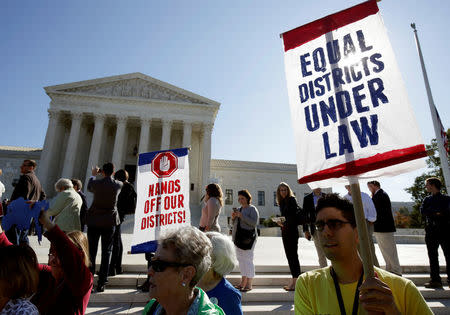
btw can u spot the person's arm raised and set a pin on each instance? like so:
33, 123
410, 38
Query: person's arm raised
76, 273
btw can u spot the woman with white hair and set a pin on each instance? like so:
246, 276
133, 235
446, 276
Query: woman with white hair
183, 256
219, 290
66, 206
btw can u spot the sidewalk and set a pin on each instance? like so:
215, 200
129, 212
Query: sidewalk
269, 251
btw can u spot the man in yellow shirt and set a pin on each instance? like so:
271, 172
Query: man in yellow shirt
342, 288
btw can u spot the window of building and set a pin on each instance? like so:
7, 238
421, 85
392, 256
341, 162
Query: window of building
228, 196
261, 198
275, 203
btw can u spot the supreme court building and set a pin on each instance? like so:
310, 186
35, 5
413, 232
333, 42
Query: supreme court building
116, 118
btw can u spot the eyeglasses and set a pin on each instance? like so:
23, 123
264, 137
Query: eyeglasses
161, 265
333, 224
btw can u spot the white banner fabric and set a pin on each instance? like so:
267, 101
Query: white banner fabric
162, 197
349, 106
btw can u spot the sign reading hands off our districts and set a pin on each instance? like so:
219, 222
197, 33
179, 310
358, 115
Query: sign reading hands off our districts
349, 106
162, 197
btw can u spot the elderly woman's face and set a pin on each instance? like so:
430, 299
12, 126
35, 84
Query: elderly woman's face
165, 278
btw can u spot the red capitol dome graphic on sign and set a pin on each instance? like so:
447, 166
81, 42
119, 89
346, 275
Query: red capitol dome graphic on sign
164, 164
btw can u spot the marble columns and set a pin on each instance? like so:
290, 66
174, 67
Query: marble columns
72, 145
43, 170
145, 135
206, 145
95, 144
187, 132
165, 137
119, 142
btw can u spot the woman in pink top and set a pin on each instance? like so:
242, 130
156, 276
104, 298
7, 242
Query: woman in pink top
211, 210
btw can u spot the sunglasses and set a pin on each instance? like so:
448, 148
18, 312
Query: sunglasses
333, 224
161, 265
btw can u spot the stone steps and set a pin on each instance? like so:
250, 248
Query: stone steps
439, 307
278, 269
265, 279
258, 294
267, 296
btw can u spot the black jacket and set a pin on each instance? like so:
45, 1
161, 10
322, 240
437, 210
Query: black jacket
126, 202
29, 188
310, 210
436, 209
385, 220
103, 211
288, 209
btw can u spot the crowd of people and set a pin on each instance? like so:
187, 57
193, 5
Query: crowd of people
187, 273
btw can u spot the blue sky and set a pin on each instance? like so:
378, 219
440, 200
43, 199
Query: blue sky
229, 51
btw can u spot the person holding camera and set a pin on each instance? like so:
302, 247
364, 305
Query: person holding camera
102, 218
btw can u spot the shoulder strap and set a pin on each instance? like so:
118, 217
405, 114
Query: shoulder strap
152, 308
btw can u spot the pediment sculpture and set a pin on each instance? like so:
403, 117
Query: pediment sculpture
133, 88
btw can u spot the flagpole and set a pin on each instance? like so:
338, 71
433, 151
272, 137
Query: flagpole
437, 131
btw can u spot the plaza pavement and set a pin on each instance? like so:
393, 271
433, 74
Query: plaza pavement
268, 251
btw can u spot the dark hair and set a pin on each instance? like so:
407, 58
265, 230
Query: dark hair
434, 181
375, 183
245, 193
215, 191
77, 182
30, 163
343, 205
108, 168
19, 274
121, 175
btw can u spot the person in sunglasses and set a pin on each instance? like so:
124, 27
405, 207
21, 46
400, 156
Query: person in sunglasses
183, 256
342, 286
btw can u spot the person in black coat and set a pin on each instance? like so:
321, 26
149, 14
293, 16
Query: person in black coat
77, 185
289, 230
102, 219
436, 211
309, 206
126, 204
384, 227
29, 188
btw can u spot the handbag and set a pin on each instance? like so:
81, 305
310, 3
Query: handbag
244, 238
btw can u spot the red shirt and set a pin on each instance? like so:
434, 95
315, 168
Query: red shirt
71, 295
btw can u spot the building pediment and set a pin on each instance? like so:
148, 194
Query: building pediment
134, 85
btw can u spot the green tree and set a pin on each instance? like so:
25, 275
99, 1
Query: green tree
417, 190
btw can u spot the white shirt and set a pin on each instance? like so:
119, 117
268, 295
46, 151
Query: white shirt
369, 208
2, 190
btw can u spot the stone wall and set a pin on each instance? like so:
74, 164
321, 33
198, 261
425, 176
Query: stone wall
255, 176
10, 160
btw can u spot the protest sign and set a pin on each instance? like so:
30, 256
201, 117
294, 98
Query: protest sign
162, 197
349, 107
